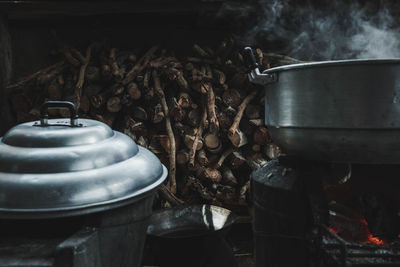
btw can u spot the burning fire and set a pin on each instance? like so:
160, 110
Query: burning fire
372, 239
369, 237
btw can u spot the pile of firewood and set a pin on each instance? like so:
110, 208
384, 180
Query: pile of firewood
197, 112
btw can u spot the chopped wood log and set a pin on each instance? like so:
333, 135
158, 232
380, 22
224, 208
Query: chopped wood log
201, 189
113, 63
256, 160
146, 78
106, 70
137, 128
155, 146
92, 74
261, 136
257, 122
114, 104
141, 141
85, 104
184, 100
183, 84
231, 98
223, 157
176, 111
158, 115
238, 80
139, 66
252, 112
69, 57
189, 141
259, 56
44, 78
272, 151
117, 89
202, 158
211, 140
237, 160
169, 196
98, 101
106, 118
133, 91
256, 148
225, 121
220, 76
243, 193
211, 174
92, 89
139, 113
228, 177
172, 152
193, 117
182, 157
238, 139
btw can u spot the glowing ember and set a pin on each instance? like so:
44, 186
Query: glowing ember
337, 231
369, 238
375, 240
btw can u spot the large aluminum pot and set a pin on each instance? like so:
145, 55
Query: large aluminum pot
337, 111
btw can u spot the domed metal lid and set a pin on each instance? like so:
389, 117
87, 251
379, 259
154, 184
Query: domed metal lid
64, 167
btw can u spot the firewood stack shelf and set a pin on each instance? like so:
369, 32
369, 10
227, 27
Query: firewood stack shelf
181, 91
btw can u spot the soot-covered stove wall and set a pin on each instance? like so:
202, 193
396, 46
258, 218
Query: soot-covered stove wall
5, 74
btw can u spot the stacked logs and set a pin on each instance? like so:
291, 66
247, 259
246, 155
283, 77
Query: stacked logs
197, 112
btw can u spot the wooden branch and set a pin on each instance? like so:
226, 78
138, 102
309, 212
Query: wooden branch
199, 134
140, 65
169, 196
223, 157
212, 117
36, 74
172, 152
240, 111
81, 79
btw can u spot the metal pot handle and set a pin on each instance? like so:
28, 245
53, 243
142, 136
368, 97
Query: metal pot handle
44, 115
255, 76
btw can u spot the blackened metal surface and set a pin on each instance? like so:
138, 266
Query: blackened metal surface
80, 250
122, 234
189, 221
280, 216
338, 252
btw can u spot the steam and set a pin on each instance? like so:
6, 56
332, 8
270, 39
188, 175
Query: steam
334, 30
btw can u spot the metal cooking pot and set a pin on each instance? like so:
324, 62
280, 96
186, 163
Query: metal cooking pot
56, 168
336, 111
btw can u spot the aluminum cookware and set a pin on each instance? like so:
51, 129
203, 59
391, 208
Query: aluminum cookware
337, 111
62, 167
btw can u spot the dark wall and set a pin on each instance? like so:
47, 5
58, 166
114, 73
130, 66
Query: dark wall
5, 75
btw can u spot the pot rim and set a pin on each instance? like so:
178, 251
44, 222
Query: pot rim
329, 63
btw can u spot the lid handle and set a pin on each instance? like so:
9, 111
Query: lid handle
44, 115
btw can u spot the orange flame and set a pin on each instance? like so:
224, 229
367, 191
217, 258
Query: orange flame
372, 239
375, 240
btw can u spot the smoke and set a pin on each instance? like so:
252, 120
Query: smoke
326, 30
